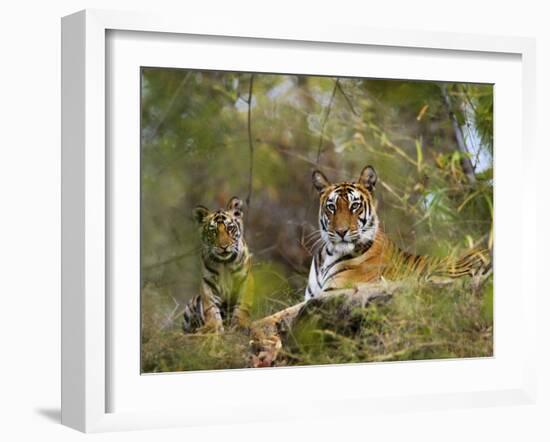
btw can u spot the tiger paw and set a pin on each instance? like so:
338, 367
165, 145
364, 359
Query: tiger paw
211, 328
240, 323
264, 352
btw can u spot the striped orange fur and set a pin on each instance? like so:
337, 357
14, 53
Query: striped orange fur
225, 291
356, 250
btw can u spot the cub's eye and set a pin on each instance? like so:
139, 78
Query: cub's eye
331, 207
355, 206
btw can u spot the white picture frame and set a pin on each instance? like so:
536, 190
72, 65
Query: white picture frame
87, 203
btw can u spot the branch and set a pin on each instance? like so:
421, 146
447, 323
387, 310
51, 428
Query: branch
466, 163
267, 333
250, 143
168, 109
327, 113
320, 146
348, 100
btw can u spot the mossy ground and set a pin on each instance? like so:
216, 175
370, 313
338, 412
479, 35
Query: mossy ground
421, 322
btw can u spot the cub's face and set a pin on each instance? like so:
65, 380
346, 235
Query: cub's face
347, 216
221, 230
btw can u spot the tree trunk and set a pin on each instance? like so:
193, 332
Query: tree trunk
465, 161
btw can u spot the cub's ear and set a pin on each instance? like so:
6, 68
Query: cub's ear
199, 213
320, 181
368, 178
235, 205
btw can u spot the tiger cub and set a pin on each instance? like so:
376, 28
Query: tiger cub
356, 250
225, 293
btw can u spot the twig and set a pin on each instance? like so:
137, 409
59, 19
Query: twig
325, 119
393, 356
286, 151
250, 143
348, 100
465, 161
320, 146
392, 191
168, 109
170, 260
171, 317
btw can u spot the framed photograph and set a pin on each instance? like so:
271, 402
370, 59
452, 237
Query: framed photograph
276, 223
241, 224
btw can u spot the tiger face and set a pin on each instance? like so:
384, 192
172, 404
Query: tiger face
347, 216
221, 230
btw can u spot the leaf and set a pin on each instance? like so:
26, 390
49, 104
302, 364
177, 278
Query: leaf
422, 112
419, 156
468, 199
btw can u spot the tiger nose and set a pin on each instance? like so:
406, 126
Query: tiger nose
342, 232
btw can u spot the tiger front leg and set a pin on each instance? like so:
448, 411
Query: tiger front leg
240, 318
213, 322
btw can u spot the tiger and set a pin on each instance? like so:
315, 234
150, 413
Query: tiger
356, 250
225, 292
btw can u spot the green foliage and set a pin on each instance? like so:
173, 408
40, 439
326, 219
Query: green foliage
422, 322
273, 291
195, 149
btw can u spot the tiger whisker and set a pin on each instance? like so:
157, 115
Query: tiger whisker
314, 248
310, 240
314, 243
310, 236
313, 232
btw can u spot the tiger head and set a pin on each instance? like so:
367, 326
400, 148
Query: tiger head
221, 230
347, 216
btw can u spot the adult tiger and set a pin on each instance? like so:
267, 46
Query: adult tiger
356, 250
225, 292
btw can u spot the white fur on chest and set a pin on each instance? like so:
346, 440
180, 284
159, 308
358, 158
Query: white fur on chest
318, 280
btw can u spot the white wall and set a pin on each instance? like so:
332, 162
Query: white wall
30, 220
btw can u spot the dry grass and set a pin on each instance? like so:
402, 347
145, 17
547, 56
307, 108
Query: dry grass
422, 322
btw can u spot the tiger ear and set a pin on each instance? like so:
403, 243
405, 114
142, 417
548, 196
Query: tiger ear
235, 205
199, 213
368, 178
320, 181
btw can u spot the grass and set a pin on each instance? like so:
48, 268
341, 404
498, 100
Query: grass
421, 322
